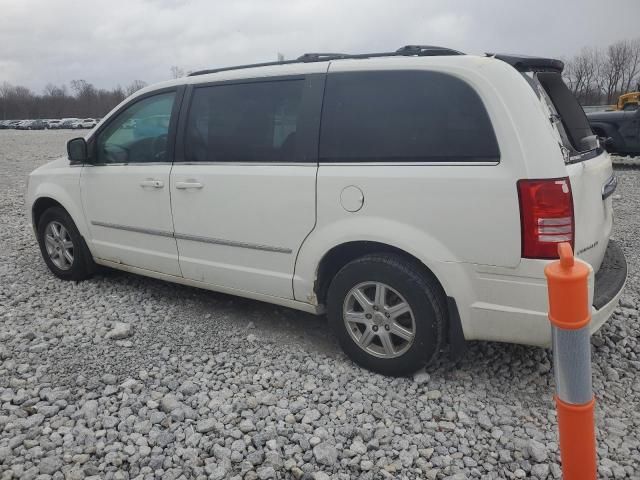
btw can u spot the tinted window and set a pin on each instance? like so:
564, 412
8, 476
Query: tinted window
139, 134
250, 122
404, 116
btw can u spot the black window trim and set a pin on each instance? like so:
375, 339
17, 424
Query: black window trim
308, 118
178, 104
495, 161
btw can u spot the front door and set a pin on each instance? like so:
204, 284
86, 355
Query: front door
125, 190
243, 195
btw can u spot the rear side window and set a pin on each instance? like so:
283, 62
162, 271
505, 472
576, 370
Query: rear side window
249, 122
404, 116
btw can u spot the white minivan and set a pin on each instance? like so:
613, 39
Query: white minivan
414, 196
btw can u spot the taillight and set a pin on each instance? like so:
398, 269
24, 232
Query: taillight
546, 216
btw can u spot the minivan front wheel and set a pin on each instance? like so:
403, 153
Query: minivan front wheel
387, 313
63, 248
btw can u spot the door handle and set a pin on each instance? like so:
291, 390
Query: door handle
152, 183
185, 185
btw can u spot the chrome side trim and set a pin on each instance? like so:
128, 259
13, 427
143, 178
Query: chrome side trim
150, 231
252, 164
408, 164
121, 164
194, 238
231, 243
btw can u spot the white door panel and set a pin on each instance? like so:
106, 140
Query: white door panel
129, 215
241, 225
125, 195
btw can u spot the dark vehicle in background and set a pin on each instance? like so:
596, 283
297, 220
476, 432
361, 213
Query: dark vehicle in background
620, 128
31, 125
37, 125
69, 123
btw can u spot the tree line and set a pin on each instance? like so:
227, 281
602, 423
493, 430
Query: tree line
598, 76
80, 100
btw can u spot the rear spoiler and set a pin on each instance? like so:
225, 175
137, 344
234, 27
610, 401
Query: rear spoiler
525, 63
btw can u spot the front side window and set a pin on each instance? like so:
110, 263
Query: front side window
139, 134
404, 116
249, 122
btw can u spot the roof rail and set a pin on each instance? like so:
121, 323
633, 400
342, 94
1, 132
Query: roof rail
406, 51
426, 51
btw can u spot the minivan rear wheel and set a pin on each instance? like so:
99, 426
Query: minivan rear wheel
387, 313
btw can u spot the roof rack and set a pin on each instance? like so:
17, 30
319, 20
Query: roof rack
406, 51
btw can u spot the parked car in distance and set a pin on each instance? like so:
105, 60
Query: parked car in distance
69, 123
54, 124
31, 125
620, 130
416, 219
88, 123
129, 123
37, 125
4, 124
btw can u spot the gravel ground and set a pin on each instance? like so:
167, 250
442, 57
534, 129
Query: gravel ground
128, 377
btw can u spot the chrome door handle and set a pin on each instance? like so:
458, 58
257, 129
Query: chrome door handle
152, 183
185, 185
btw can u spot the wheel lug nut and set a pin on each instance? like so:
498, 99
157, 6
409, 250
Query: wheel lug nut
387, 315
375, 328
368, 316
386, 327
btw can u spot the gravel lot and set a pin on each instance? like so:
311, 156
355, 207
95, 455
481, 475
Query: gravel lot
128, 377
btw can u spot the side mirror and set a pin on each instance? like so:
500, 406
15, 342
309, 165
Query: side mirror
77, 150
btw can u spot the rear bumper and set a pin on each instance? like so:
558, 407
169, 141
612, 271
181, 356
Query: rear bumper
608, 285
513, 308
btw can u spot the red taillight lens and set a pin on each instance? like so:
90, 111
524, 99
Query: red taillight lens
546, 216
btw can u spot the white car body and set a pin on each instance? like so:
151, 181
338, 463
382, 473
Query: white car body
87, 123
261, 231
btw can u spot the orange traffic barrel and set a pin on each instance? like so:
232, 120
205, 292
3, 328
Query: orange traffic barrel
570, 314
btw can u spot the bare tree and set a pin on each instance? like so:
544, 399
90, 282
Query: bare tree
580, 74
134, 87
631, 68
612, 70
176, 72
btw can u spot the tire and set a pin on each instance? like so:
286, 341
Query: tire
406, 283
81, 266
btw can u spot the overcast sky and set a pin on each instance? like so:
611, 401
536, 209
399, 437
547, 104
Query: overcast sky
114, 42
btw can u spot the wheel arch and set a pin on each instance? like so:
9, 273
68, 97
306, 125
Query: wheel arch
40, 206
53, 196
340, 255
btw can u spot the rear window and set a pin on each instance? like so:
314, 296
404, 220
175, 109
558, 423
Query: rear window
567, 114
404, 116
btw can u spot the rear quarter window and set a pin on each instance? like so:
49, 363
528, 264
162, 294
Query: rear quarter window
404, 116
